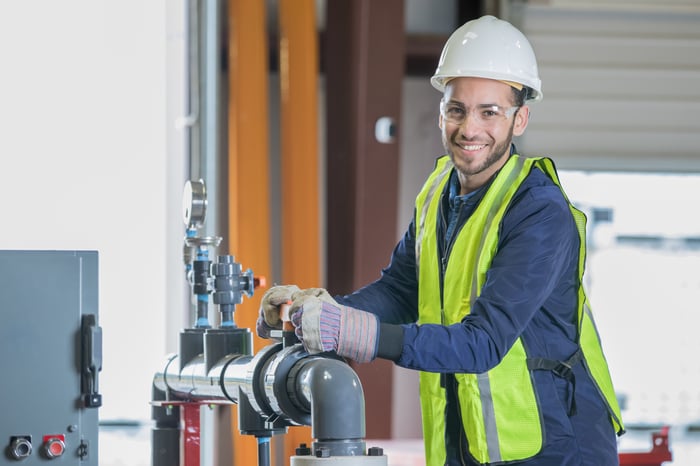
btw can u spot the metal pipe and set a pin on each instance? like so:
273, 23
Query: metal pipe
193, 382
208, 133
165, 434
264, 451
280, 384
337, 402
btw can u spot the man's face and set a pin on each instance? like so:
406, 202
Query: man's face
479, 146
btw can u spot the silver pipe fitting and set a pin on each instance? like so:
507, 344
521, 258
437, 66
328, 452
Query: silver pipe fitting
280, 383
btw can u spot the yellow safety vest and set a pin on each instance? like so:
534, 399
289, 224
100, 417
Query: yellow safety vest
499, 408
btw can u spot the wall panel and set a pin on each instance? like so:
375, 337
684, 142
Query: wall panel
620, 86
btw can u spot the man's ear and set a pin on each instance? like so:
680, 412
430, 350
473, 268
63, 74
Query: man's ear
522, 117
440, 122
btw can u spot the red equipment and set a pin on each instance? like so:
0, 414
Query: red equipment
658, 454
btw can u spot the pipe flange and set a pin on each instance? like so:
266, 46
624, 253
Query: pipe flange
231, 359
276, 385
254, 370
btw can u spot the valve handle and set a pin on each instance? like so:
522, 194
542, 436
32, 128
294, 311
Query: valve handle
286, 319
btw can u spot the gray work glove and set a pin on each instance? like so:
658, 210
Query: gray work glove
322, 325
269, 316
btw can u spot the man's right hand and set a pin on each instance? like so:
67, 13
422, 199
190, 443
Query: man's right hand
269, 315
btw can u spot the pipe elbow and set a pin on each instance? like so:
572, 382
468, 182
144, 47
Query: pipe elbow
337, 400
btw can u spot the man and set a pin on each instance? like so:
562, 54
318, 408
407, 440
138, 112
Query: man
483, 294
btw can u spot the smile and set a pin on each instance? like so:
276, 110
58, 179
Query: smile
473, 147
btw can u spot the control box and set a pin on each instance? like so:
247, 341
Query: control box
50, 357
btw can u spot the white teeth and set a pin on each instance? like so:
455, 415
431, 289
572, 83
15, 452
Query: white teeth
473, 147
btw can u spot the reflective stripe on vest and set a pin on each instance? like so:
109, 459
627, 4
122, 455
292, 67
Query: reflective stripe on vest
499, 408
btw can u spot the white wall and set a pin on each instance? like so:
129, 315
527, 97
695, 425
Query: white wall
83, 164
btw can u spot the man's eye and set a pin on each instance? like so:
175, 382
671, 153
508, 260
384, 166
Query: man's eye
489, 113
455, 111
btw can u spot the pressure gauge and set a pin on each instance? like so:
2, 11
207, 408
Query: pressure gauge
194, 204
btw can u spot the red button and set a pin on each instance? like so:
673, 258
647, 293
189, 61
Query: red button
54, 445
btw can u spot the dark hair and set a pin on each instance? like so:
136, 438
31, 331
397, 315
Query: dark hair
520, 96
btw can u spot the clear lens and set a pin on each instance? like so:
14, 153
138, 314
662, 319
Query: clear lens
485, 114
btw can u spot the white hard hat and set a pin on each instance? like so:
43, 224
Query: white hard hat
489, 47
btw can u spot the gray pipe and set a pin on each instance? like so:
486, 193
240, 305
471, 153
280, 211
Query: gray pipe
283, 383
337, 402
208, 94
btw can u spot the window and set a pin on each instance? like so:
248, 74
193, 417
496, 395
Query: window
643, 282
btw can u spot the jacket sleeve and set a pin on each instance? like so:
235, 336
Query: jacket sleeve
538, 245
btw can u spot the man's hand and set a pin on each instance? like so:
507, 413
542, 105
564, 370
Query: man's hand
320, 293
322, 325
269, 315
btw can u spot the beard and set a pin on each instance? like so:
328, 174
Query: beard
466, 168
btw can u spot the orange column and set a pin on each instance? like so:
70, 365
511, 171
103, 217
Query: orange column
248, 167
298, 51
298, 66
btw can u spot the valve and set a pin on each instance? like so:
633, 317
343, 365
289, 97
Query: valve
230, 284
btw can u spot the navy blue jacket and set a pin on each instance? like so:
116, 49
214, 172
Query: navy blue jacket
530, 292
